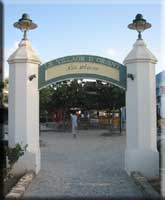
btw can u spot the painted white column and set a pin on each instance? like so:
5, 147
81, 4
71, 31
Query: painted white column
141, 148
24, 106
162, 112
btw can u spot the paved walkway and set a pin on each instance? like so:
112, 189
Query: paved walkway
91, 165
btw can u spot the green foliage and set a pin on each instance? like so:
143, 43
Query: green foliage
4, 95
86, 95
13, 154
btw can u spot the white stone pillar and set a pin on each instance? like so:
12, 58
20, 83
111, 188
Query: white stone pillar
141, 148
162, 149
24, 106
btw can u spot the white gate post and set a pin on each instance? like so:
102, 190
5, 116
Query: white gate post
162, 149
141, 148
24, 105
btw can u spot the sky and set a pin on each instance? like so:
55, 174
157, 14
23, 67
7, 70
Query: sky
92, 27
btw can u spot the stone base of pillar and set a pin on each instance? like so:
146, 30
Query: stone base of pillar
142, 160
162, 170
162, 182
29, 161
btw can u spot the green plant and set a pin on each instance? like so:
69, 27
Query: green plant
13, 154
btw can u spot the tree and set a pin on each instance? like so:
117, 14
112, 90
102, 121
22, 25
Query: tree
86, 95
4, 91
46, 100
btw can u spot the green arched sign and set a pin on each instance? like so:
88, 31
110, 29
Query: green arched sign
82, 66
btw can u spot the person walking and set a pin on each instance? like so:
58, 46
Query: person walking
74, 124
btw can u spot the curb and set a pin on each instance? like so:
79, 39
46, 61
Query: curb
148, 191
18, 190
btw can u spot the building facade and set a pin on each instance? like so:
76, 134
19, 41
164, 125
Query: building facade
160, 81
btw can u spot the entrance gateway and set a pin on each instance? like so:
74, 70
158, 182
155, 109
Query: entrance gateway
136, 76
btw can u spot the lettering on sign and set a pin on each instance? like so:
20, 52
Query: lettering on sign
82, 68
83, 58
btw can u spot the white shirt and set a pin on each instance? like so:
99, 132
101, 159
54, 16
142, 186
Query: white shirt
74, 120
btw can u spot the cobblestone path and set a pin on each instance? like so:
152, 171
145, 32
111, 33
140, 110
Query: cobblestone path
92, 165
